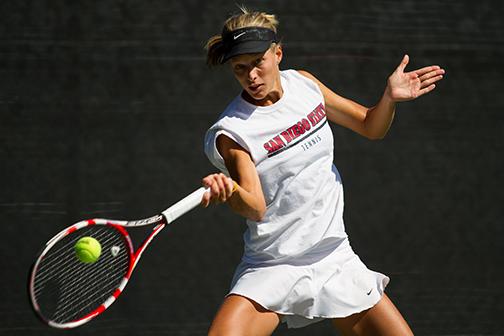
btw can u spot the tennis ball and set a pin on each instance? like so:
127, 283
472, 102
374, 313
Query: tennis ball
87, 250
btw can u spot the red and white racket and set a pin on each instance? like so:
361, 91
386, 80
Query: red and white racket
66, 292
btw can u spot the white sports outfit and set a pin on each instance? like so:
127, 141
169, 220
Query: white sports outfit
297, 261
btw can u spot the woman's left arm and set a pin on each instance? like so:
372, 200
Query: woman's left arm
374, 122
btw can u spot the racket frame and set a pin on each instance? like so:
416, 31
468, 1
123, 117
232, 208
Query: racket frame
160, 221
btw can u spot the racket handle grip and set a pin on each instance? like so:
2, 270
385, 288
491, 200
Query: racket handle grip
184, 205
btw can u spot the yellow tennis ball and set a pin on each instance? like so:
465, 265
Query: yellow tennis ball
87, 250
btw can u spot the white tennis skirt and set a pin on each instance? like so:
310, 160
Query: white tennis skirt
335, 283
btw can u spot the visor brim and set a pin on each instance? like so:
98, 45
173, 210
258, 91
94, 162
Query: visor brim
247, 47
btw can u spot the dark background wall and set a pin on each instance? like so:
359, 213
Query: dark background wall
103, 108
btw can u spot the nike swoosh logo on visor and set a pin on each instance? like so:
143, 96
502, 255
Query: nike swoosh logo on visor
236, 36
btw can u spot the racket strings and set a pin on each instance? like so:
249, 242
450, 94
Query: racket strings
67, 289
90, 293
65, 260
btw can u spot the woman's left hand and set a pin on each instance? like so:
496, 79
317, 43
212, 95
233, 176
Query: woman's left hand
404, 86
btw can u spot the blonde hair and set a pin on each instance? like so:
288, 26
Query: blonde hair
215, 46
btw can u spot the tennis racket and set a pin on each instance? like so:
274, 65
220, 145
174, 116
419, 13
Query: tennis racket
66, 292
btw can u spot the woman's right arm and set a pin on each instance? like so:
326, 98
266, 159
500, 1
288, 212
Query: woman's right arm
248, 199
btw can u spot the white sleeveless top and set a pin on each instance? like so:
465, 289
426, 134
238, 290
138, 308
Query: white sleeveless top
291, 144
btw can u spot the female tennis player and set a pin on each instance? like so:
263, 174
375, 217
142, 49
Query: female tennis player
274, 142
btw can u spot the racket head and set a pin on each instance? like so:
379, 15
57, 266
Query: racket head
65, 292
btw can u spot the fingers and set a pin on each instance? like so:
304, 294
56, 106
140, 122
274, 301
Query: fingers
429, 69
410, 85
426, 90
430, 81
403, 64
431, 76
221, 188
424, 73
205, 200
426, 86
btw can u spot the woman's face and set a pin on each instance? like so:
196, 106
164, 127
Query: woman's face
259, 75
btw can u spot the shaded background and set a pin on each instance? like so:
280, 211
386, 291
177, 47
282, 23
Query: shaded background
103, 109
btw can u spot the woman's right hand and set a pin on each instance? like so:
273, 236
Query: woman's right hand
247, 199
220, 187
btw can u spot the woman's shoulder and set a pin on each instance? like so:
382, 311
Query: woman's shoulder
298, 74
236, 110
300, 78
234, 117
